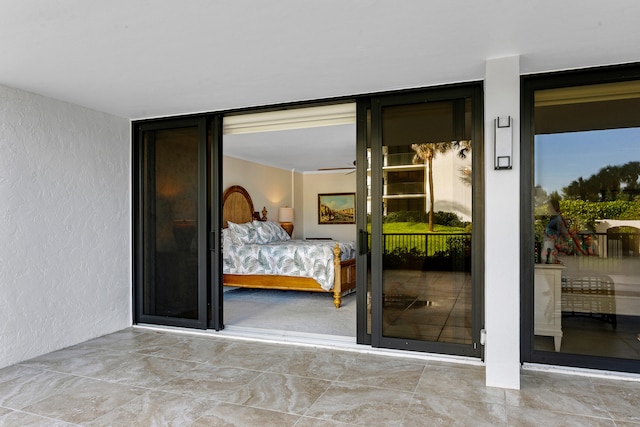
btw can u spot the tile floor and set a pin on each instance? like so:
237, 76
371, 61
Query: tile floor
141, 377
429, 306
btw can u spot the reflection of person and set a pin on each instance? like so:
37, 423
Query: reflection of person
589, 245
556, 223
558, 239
554, 233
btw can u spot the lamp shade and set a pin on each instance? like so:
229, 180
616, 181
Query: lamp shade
285, 214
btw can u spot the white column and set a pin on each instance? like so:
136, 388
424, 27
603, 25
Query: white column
502, 213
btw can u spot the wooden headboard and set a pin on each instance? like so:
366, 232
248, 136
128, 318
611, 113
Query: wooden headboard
237, 207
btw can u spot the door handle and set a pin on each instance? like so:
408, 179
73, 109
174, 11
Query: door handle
363, 243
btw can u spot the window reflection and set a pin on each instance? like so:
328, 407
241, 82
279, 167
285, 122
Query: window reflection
427, 204
587, 220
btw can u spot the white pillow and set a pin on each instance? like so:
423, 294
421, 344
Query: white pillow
244, 234
269, 231
227, 239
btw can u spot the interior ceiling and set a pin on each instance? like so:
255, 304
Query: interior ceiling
144, 58
301, 150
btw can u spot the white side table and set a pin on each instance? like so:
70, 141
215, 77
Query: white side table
547, 302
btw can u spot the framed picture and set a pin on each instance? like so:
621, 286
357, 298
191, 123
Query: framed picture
337, 208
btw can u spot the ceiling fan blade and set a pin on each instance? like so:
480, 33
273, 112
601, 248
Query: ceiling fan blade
336, 169
351, 168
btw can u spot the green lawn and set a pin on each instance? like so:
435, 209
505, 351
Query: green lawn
418, 228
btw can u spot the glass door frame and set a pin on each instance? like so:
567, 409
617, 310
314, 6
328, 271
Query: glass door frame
214, 209
474, 91
138, 195
363, 115
529, 85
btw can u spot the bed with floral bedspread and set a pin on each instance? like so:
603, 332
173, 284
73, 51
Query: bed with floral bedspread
260, 254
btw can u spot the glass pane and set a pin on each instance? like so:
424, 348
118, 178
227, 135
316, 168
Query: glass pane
170, 226
427, 198
587, 220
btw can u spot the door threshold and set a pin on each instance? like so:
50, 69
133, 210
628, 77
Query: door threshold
306, 339
292, 337
584, 372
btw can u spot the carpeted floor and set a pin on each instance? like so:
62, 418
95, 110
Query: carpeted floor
294, 311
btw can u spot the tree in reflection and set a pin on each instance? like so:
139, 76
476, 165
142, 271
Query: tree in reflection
426, 152
609, 183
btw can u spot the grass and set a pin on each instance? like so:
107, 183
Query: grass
418, 228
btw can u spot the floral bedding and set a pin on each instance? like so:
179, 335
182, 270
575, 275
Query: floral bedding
285, 257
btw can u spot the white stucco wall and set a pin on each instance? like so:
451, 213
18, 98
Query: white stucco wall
451, 194
502, 229
65, 221
602, 225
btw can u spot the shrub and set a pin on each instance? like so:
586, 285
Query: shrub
584, 214
457, 246
407, 216
450, 219
401, 258
456, 256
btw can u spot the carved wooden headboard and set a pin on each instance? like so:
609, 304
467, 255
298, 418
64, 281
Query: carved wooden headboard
237, 207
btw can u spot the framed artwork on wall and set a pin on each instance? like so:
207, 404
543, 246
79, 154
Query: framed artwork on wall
337, 208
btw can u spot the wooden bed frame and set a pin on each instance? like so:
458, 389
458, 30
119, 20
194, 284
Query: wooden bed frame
237, 207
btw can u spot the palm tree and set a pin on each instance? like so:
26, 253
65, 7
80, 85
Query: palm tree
425, 153
463, 146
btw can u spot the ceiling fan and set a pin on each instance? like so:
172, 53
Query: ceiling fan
351, 168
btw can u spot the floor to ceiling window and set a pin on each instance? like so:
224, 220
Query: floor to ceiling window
585, 220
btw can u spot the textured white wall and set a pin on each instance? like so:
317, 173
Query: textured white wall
502, 228
65, 221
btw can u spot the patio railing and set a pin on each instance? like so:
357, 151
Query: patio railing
426, 243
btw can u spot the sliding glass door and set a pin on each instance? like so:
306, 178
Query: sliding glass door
171, 223
426, 154
582, 241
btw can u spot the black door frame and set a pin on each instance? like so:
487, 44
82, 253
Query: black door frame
474, 91
363, 112
214, 203
209, 238
138, 221
530, 84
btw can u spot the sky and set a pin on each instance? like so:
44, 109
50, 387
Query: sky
563, 157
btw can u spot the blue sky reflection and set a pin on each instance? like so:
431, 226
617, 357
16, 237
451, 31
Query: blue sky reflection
563, 157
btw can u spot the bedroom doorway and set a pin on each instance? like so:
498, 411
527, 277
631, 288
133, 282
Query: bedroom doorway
426, 224
285, 159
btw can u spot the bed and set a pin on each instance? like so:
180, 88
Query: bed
258, 253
